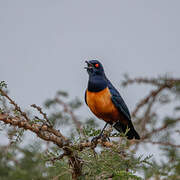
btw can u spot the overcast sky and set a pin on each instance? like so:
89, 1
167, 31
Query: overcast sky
44, 43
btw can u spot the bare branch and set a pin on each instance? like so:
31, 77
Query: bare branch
43, 132
158, 130
70, 112
152, 94
41, 112
14, 104
152, 81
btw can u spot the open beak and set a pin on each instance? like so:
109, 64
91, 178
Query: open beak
89, 65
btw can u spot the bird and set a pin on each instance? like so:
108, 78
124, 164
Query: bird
106, 103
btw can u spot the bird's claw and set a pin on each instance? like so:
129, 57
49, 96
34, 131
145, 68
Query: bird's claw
103, 137
108, 139
95, 139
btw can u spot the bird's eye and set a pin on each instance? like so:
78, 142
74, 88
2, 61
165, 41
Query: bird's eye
96, 65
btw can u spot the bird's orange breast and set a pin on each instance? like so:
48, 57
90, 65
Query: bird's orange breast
101, 105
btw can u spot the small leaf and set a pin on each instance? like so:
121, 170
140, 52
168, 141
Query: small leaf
62, 93
3, 84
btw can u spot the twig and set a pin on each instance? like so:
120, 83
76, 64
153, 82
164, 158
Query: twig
52, 135
43, 133
152, 94
57, 158
69, 111
146, 118
157, 130
41, 112
153, 81
48, 134
14, 104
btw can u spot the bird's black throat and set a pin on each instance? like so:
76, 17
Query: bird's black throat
96, 83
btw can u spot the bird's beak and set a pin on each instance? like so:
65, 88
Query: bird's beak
89, 65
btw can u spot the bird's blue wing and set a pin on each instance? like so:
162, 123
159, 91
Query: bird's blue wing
85, 97
118, 101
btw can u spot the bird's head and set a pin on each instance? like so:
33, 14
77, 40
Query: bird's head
94, 67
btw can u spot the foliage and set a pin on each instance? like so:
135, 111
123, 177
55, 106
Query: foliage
78, 158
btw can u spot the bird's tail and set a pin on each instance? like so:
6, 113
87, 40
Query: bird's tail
122, 128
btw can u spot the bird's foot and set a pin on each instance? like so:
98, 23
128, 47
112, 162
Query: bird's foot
95, 139
103, 137
107, 139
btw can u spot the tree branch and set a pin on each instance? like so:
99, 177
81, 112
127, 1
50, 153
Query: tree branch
69, 111
14, 104
44, 132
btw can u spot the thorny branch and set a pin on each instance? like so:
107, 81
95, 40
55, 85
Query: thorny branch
14, 104
161, 84
70, 112
152, 95
147, 116
157, 130
51, 135
41, 112
43, 132
48, 133
153, 81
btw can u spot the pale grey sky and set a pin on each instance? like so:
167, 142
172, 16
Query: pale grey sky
44, 43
